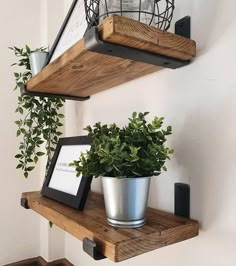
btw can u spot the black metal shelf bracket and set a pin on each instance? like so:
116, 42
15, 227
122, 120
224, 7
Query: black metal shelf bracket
183, 27
24, 91
90, 247
182, 200
24, 203
93, 43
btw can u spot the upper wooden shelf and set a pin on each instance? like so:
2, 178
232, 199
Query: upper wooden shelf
161, 229
80, 72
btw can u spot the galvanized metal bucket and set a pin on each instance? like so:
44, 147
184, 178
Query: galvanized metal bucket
37, 61
126, 200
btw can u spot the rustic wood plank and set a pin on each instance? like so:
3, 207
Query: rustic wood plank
79, 72
139, 246
128, 32
86, 73
117, 244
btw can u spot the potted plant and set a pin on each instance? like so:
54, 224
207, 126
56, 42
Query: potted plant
126, 158
40, 121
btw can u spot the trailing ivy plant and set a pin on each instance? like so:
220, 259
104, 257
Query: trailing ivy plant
40, 119
137, 149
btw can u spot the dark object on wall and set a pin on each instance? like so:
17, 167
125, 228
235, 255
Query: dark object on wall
183, 27
157, 13
90, 247
182, 200
61, 183
24, 203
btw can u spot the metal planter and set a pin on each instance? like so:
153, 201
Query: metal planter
126, 200
37, 61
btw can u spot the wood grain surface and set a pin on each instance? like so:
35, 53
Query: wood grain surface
79, 72
161, 229
128, 32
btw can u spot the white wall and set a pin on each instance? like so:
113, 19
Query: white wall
51, 239
199, 102
19, 228
23, 233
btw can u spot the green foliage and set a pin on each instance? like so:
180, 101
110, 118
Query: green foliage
134, 150
50, 224
40, 118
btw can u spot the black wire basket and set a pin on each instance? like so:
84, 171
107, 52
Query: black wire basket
156, 13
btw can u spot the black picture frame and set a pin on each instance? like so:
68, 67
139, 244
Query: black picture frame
75, 201
60, 33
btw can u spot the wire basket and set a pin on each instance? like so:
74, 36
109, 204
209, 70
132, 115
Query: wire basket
156, 13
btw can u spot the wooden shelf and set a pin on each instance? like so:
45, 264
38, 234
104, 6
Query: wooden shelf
80, 72
161, 229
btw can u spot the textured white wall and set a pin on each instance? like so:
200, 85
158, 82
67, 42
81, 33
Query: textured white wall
199, 102
23, 233
19, 228
51, 239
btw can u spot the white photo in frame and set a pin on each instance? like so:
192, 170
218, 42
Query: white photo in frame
64, 176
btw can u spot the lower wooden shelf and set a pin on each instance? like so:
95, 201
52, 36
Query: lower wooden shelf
161, 229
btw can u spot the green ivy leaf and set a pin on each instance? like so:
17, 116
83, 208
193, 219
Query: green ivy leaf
50, 224
20, 109
164, 168
26, 174
19, 166
28, 49
40, 153
35, 159
23, 131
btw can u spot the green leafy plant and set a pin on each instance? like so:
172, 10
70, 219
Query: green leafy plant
40, 119
134, 150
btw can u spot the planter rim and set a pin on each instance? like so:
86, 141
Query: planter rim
133, 177
40, 52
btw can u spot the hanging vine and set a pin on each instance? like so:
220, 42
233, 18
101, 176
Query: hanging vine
40, 122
